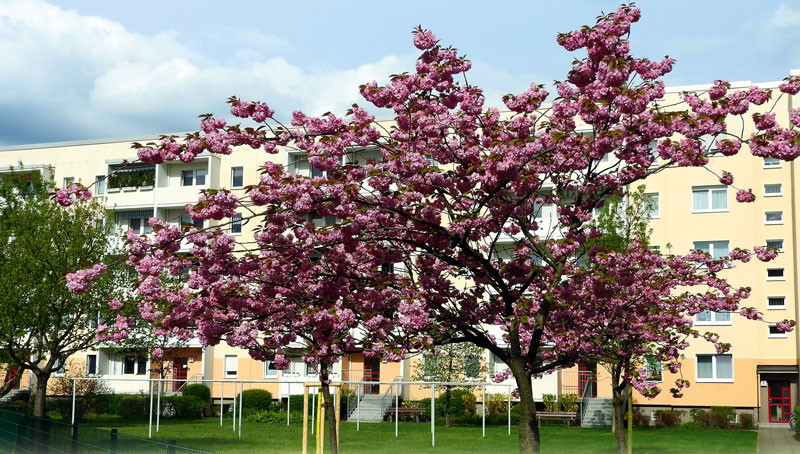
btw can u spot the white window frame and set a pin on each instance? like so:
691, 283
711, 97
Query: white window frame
144, 227
225, 369
776, 278
100, 184
773, 194
714, 321
236, 219
136, 363
709, 191
194, 177
712, 245
714, 379
60, 369
267, 370
766, 222
647, 360
776, 308
96, 364
656, 213
780, 249
233, 169
778, 335
772, 163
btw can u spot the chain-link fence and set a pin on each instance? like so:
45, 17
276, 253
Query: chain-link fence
22, 433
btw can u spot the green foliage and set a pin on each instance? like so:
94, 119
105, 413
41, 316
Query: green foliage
796, 411
721, 417
568, 402
200, 391
746, 421
469, 404
267, 416
454, 363
132, 179
550, 402
188, 407
668, 418
296, 401
622, 221
134, 407
496, 404
88, 396
260, 399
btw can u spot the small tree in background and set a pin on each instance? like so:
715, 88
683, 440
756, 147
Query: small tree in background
451, 363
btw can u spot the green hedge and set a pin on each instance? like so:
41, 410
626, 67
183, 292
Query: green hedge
257, 399
796, 425
200, 391
138, 406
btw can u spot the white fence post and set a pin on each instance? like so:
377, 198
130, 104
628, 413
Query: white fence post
433, 414
73, 400
288, 402
483, 412
221, 400
241, 399
150, 424
233, 409
509, 410
313, 411
396, 411
158, 407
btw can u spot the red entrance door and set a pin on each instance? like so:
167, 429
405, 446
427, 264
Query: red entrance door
372, 372
179, 371
12, 375
587, 380
780, 401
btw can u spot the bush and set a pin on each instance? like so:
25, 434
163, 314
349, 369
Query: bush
201, 391
694, 425
721, 417
796, 411
700, 416
469, 404
746, 421
133, 407
496, 404
263, 416
260, 399
640, 419
550, 402
568, 402
188, 407
296, 402
668, 418
87, 393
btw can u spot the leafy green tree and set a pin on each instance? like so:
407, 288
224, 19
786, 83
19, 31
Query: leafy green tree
452, 363
43, 322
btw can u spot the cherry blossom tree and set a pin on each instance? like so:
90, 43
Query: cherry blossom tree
482, 213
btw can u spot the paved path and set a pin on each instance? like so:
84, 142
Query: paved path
777, 440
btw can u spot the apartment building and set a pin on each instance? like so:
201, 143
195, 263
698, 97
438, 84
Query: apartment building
692, 210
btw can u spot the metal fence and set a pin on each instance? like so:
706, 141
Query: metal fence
22, 433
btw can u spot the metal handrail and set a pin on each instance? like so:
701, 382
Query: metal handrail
583, 401
389, 388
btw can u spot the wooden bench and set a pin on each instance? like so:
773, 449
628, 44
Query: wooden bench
567, 416
411, 411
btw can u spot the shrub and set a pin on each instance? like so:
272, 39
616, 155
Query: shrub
264, 416
721, 417
469, 404
568, 402
188, 407
133, 407
296, 402
261, 399
746, 421
550, 402
700, 416
796, 411
201, 391
496, 404
86, 392
668, 418
640, 419
694, 425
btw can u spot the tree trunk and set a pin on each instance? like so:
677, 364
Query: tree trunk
617, 402
327, 402
40, 393
529, 441
447, 407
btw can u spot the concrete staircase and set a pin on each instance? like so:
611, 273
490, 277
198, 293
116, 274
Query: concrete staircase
372, 408
11, 396
597, 413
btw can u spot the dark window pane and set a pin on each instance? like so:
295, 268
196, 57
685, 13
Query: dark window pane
129, 365
237, 177
200, 177
188, 178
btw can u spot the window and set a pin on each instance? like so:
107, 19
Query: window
236, 223
775, 274
100, 188
139, 226
60, 368
709, 199
773, 217
68, 181
237, 177
775, 244
776, 302
713, 318
605, 158
269, 369
716, 249
134, 364
775, 333
187, 221
656, 249
772, 163
231, 366
653, 415
654, 369
651, 205
653, 147
773, 190
709, 144
91, 364
193, 177
715, 368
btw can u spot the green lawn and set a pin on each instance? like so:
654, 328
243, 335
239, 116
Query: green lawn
207, 435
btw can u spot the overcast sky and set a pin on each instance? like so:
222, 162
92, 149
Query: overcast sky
83, 69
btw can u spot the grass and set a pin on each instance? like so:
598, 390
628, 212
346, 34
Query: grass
273, 438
